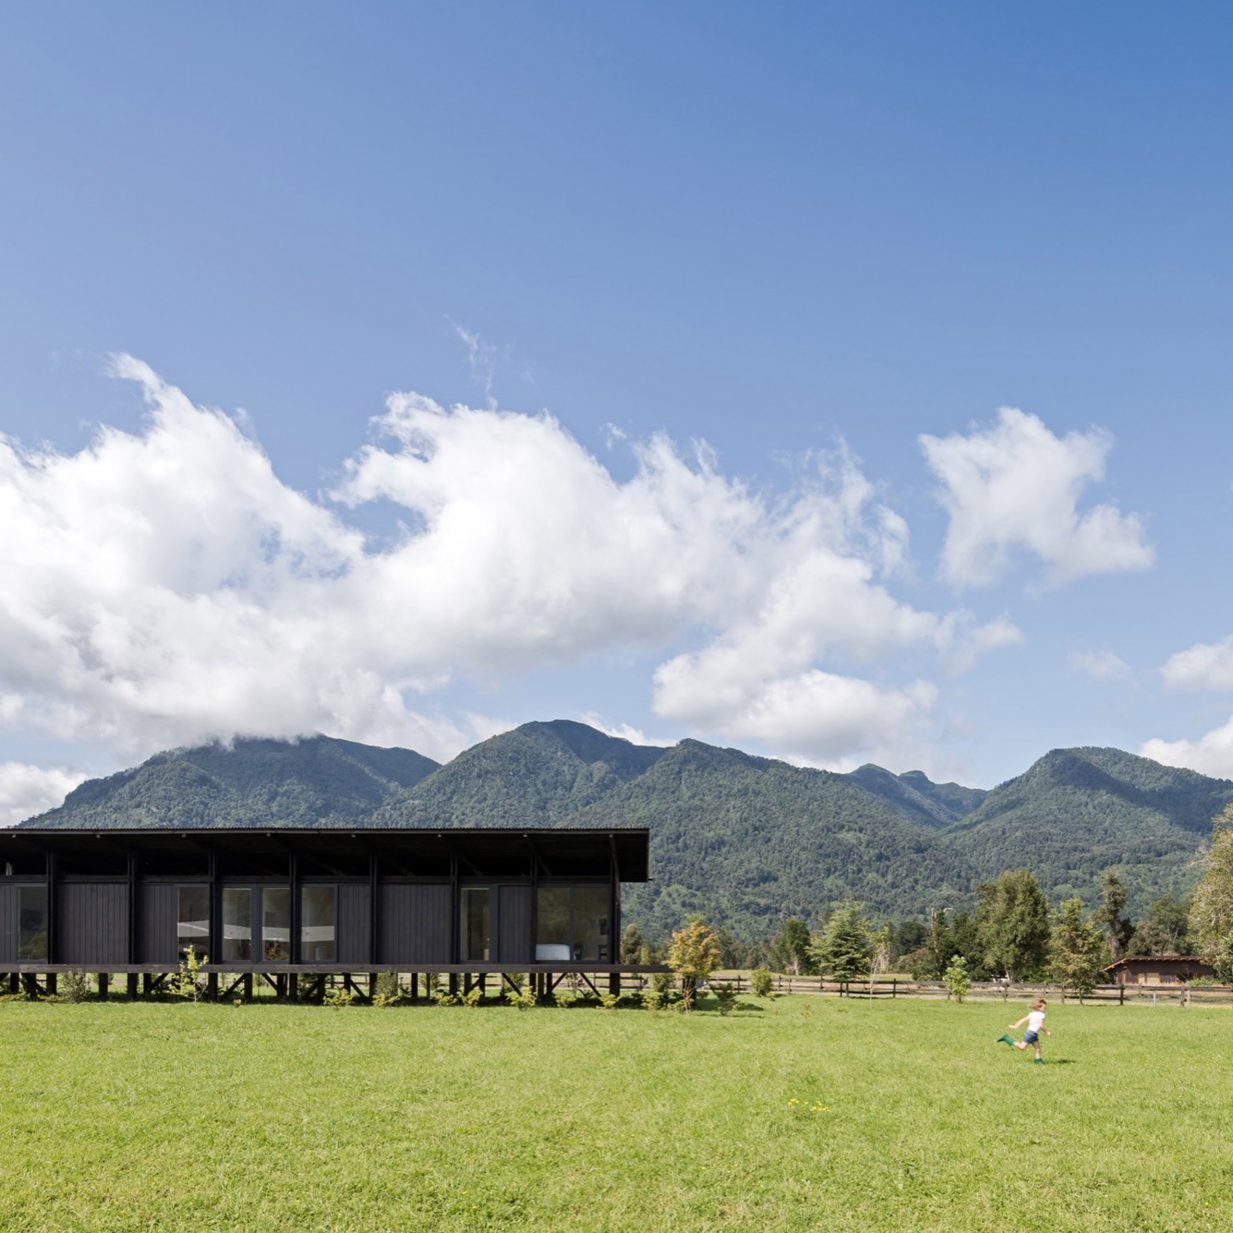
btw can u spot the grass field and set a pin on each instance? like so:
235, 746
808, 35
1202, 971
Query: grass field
907, 1116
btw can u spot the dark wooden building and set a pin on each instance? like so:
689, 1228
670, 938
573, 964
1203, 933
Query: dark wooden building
315, 901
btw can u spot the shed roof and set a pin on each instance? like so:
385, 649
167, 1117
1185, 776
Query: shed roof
559, 852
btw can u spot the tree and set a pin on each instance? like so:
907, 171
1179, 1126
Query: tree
790, 949
1110, 915
1211, 906
1164, 930
692, 955
956, 978
1012, 922
843, 951
1076, 950
631, 943
879, 954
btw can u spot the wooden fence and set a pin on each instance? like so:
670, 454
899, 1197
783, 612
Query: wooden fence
983, 991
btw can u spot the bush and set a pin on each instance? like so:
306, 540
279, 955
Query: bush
652, 999
338, 996
187, 981
762, 983
521, 992
74, 986
725, 996
956, 978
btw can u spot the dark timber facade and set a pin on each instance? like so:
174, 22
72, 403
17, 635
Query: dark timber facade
295, 907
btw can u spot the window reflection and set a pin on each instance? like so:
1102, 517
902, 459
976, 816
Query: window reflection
318, 933
276, 924
476, 924
237, 924
32, 923
572, 924
193, 921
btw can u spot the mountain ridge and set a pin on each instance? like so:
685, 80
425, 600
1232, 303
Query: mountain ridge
743, 838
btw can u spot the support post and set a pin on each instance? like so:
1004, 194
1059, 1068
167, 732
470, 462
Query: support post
216, 916
212, 986
132, 986
50, 865
293, 882
104, 983
132, 912
374, 888
293, 987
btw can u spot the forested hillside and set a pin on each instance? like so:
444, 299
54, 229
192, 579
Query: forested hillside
317, 781
1078, 811
745, 840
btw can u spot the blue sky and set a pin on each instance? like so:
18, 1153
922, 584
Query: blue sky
690, 288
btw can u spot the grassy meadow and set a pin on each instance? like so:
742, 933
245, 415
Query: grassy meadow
804, 1113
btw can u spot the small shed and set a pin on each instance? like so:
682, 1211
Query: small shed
1158, 969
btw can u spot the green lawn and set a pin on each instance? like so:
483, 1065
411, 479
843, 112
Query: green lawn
178, 1117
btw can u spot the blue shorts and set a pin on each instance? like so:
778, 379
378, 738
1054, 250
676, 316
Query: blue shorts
1030, 1038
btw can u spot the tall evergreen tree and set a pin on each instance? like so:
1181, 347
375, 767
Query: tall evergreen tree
1076, 950
1110, 916
790, 949
1012, 921
844, 950
631, 943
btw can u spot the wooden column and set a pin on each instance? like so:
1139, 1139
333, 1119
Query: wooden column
293, 880
374, 919
614, 915
133, 920
215, 940
50, 869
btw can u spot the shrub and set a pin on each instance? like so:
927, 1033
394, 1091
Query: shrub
521, 993
338, 996
188, 981
725, 996
956, 978
762, 983
608, 1001
652, 999
74, 986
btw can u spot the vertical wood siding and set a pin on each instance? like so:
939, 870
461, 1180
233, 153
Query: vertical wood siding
92, 922
353, 924
156, 942
514, 924
8, 923
415, 924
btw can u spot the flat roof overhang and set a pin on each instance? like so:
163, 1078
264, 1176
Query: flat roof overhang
556, 852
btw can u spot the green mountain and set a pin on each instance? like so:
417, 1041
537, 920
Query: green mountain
744, 840
540, 774
1075, 812
915, 797
318, 781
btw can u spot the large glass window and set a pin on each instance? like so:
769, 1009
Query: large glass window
237, 924
193, 921
571, 923
552, 924
276, 924
591, 923
32, 924
476, 924
318, 933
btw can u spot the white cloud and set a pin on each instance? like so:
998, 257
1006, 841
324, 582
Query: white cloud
26, 790
1211, 754
1016, 487
1201, 667
817, 716
624, 732
165, 587
1100, 665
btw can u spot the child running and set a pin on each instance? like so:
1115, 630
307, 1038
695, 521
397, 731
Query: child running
1035, 1020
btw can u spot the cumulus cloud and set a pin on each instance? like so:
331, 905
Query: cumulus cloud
1201, 667
1211, 754
26, 790
1016, 487
165, 586
1100, 665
